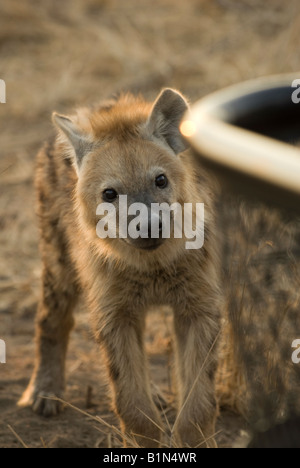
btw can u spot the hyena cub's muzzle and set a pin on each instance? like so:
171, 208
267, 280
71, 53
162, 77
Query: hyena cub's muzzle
141, 222
145, 231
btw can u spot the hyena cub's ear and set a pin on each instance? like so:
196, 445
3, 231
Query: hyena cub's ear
166, 115
80, 141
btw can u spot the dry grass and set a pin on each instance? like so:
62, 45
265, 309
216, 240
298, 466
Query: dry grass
113, 432
17, 437
231, 383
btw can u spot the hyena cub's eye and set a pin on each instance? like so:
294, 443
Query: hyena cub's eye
161, 181
110, 195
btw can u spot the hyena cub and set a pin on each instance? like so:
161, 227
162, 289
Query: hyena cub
126, 147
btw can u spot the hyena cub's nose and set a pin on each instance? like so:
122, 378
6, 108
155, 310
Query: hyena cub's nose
148, 235
160, 226
150, 224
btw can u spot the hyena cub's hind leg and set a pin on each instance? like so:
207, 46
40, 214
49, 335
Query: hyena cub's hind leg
53, 323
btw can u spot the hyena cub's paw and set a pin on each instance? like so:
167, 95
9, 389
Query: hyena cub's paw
43, 402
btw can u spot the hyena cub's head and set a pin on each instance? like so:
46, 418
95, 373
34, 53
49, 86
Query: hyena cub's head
127, 158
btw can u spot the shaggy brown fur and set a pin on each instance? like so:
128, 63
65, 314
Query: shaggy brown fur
125, 144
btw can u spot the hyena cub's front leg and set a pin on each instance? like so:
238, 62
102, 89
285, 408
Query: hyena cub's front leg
196, 349
53, 324
120, 333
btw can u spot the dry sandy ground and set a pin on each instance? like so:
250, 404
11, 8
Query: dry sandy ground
55, 55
